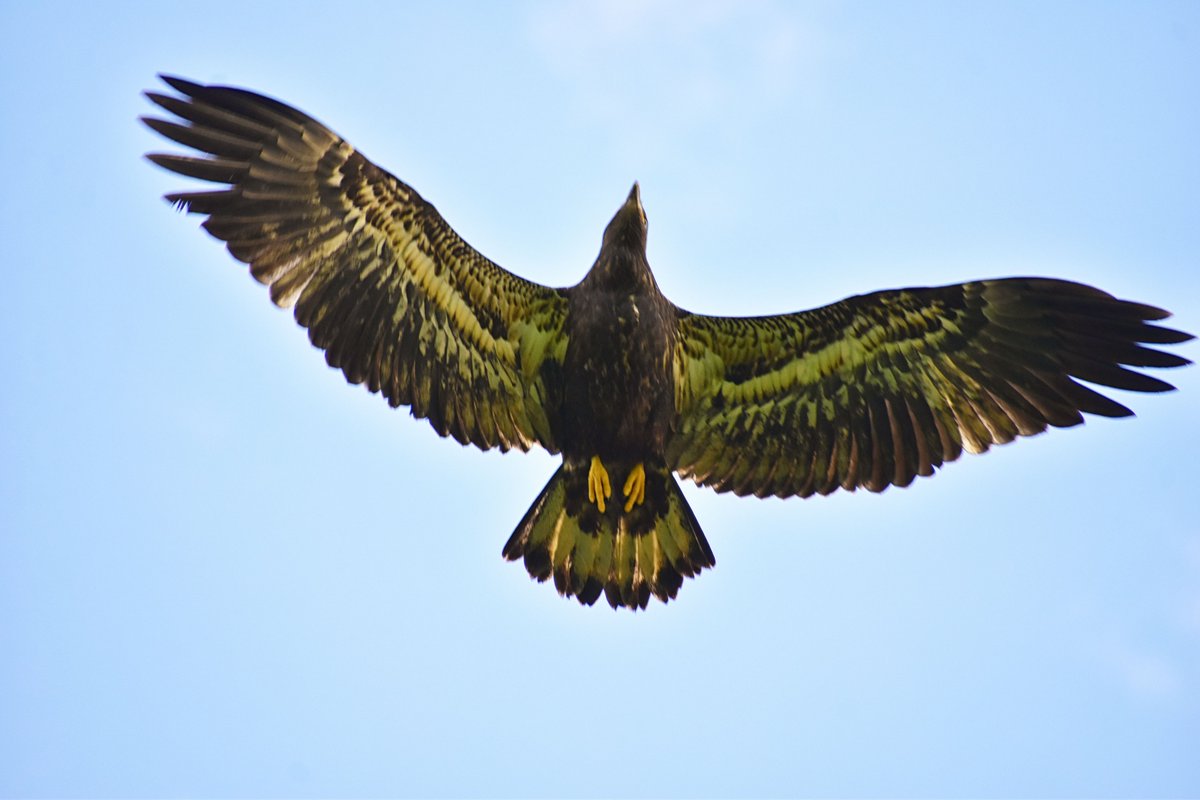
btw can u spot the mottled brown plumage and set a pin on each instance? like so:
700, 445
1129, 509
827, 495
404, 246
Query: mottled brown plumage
871, 391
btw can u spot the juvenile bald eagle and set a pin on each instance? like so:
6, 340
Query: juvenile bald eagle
870, 391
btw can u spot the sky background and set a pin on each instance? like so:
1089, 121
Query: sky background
225, 572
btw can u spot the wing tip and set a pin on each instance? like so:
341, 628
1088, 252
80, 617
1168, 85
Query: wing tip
181, 85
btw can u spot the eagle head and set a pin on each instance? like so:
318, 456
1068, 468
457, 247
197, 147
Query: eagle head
622, 261
628, 226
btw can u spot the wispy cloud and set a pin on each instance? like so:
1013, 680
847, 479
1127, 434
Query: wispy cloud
665, 64
1158, 663
1146, 675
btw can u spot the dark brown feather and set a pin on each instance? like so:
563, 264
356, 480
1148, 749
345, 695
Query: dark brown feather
872, 391
393, 295
915, 375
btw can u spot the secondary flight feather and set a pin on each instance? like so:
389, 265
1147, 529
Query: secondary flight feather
871, 391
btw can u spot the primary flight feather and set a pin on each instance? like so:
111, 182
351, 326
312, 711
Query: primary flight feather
870, 391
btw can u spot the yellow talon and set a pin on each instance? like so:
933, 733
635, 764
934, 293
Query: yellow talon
635, 487
599, 486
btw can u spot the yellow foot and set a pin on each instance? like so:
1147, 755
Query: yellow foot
599, 487
635, 487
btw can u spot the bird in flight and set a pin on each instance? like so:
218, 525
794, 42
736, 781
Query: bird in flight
630, 389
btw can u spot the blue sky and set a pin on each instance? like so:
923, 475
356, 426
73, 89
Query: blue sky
224, 572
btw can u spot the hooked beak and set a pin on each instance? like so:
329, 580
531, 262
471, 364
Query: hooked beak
634, 201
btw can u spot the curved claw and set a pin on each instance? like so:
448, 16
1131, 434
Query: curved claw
599, 486
635, 487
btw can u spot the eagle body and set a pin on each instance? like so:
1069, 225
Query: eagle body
871, 391
619, 408
620, 387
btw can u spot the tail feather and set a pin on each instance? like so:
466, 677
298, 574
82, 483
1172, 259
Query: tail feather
627, 557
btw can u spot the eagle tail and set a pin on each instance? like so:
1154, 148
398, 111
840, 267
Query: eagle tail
627, 556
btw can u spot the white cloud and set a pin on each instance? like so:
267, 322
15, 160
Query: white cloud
1146, 675
1153, 655
667, 64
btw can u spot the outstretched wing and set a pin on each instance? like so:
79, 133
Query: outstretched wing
880, 388
394, 296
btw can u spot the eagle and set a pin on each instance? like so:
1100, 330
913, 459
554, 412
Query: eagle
630, 389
